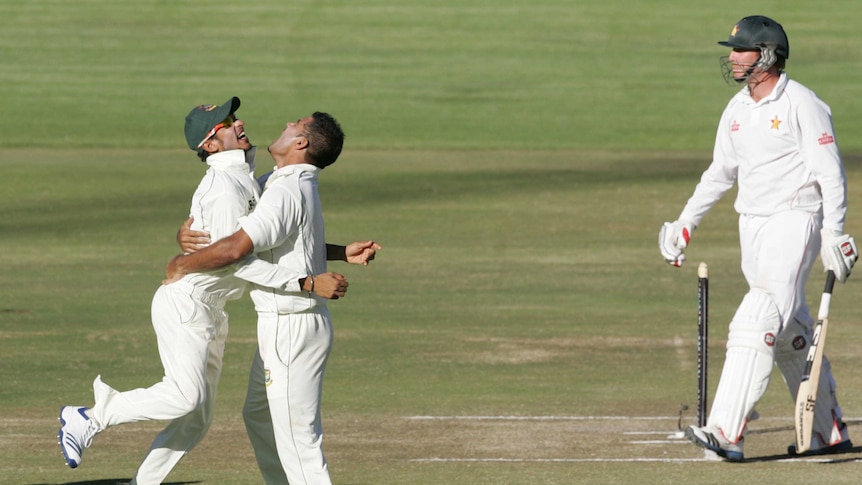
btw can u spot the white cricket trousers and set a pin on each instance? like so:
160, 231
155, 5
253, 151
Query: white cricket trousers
777, 255
191, 329
285, 388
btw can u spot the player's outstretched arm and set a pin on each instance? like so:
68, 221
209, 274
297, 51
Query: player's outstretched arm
359, 252
224, 252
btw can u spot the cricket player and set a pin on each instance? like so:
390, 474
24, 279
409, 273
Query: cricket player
776, 141
282, 411
188, 315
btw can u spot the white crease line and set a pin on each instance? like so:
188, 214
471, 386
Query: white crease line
557, 460
577, 418
613, 460
542, 418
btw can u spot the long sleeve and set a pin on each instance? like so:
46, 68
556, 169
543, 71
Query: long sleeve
266, 274
822, 157
718, 178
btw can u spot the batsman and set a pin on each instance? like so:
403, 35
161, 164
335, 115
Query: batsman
775, 139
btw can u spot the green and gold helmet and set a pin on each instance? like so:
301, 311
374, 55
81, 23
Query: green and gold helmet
758, 33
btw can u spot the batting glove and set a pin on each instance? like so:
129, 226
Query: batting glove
838, 252
672, 239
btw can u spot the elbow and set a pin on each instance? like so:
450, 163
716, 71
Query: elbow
235, 253
234, 248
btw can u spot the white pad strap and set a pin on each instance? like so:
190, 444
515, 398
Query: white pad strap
747, 365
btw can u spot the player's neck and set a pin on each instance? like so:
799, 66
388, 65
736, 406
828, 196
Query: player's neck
761, 85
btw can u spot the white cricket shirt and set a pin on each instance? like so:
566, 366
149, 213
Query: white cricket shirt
227, 192
287, 229
783, 154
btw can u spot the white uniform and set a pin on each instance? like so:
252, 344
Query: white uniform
782, 153
191, 327
282, 409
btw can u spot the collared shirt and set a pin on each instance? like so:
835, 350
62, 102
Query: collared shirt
287, 229
781, 151
227, 192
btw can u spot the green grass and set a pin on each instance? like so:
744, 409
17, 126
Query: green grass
514, 159
403, 74
501, 290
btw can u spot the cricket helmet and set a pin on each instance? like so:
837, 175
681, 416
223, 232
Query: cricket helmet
759, 33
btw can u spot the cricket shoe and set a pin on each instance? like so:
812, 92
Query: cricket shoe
713, 440
820, 448
76, 433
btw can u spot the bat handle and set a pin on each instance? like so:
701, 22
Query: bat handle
823, 312
830, 282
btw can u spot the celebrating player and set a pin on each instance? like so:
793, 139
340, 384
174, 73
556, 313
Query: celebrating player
188, 315
776, 140
282, 408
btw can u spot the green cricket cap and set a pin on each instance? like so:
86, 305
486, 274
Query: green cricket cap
202, 119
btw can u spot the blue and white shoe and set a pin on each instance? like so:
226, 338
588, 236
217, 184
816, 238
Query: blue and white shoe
76, 433
713, 440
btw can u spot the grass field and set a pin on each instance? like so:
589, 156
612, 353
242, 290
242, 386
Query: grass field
514, 159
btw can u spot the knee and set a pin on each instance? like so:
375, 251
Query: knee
189, 400
756, 323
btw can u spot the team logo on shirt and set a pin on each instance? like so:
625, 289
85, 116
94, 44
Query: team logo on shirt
267, 379
252, 203
775, 122
734, 126
826, 139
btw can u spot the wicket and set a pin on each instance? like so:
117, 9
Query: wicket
702, 340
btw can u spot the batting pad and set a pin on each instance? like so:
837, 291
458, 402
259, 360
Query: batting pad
747, 364
790, 356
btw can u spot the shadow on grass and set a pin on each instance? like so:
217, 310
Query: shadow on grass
110, 481
829, 459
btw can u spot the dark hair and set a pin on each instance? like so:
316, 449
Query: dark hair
325, 139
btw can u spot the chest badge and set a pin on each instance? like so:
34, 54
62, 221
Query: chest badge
775, 122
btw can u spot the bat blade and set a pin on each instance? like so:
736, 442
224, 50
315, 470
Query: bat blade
806, 396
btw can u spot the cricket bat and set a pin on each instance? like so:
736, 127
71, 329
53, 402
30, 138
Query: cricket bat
806, 396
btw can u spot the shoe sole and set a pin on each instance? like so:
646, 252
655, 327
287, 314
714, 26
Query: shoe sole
69, 462
733, 456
